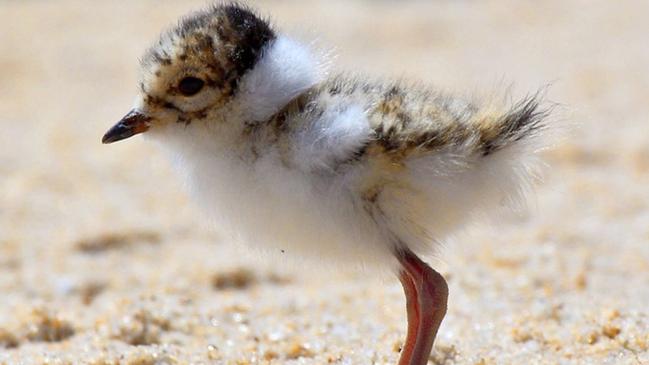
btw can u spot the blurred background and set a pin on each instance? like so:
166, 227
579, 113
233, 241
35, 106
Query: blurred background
103, 260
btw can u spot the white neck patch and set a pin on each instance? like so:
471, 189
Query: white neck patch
285, 70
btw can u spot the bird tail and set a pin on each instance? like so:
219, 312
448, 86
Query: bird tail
525, 122
498, 165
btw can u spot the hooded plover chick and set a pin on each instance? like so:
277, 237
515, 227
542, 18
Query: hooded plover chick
332, 167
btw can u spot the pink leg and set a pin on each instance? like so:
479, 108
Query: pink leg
426, 296
412, 309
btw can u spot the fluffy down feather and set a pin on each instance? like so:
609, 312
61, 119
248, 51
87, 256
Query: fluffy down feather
318, 167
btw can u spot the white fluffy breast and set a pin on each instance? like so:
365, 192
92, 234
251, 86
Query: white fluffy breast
284, 210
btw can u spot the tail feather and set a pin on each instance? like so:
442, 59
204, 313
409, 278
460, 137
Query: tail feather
525, 119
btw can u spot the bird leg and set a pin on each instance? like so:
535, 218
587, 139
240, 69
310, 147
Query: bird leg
426, 296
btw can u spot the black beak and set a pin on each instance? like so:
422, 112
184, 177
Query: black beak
135, 122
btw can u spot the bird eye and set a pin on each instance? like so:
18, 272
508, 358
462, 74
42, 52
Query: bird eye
190, 85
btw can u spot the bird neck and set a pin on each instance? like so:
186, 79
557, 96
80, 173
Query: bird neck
285, 70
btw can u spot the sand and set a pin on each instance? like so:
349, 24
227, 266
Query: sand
103, 260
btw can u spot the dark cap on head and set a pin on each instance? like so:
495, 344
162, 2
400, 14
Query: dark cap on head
228, 38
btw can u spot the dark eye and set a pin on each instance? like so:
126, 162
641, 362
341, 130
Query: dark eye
190, 85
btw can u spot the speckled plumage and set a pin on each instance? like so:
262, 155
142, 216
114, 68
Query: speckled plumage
406, 164
292, 158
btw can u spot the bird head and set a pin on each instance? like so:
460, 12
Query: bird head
194, 71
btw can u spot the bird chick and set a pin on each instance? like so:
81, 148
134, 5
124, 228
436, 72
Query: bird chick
329, 166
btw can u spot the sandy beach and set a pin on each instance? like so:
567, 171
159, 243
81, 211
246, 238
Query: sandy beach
105, 260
